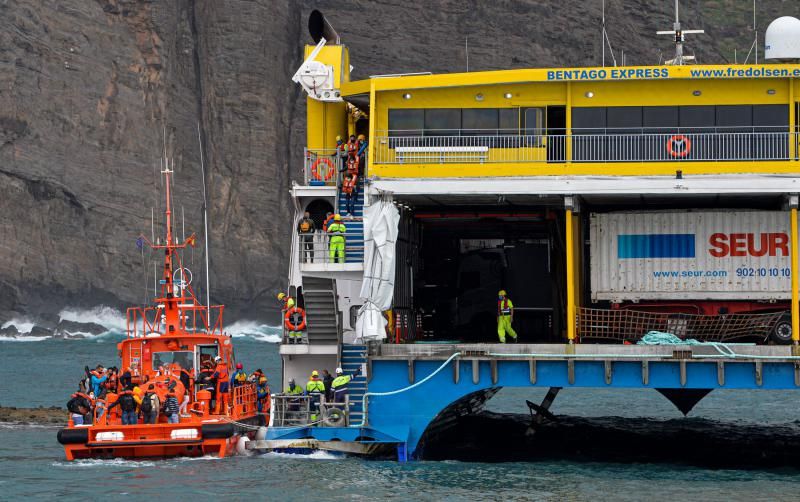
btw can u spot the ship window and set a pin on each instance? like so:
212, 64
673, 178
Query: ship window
730, 117
770, 118
479, 121
182, 358
660, 117
534, 119
406, 122
702, 117
509, 121
624, 117
442, 121
589, 120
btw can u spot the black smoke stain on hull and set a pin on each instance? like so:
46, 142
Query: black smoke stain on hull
493, 437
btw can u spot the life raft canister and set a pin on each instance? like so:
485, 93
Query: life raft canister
325, 175
679, 146
295, 319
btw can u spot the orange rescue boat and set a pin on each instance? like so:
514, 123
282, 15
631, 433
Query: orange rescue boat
176, 347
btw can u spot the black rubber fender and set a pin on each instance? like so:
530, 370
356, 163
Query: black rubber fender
216, 431
334, 417
73, 436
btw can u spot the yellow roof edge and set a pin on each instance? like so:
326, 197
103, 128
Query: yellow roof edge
355, 87
579, 74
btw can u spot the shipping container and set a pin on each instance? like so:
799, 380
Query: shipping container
690, 255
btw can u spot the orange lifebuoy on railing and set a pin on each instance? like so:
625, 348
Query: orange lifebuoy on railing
679, 146
328, 173
290, 320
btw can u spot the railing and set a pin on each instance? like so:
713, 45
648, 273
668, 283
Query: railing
300, 411
322, 166
245, 399
316, 249
586, 146
632, 325
291, 411
194, 318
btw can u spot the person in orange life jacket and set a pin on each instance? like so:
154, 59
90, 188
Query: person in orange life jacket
262, 392
328, 220
352, 154
223, 383
306, 229
127, 404
111, 382
79, 405
255, 376
350, 189
239, 376
505, 316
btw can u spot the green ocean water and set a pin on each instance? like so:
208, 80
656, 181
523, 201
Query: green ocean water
44, 372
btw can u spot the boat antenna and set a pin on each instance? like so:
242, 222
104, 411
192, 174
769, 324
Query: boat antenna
466, 50
680, 37
754, 47
205, 216
606, 40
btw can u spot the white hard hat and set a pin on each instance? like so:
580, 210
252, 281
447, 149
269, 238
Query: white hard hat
217, 358
339, 371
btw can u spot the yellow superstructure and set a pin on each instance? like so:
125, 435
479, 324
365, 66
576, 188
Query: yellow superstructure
573, 89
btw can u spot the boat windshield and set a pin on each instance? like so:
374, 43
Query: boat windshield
183, 358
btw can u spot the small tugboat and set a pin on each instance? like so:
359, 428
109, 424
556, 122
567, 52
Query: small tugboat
175, 352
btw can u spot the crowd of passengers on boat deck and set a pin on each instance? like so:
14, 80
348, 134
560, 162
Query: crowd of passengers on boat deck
110, 394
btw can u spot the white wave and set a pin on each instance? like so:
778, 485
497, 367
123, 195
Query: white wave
255, 330
110, 318
96, 462
24, 325
314, 455
22, 338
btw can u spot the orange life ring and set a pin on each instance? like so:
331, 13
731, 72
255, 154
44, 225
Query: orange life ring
290, 322
328, 173
679, 139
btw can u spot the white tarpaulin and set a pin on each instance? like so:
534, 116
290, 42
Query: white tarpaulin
381, 221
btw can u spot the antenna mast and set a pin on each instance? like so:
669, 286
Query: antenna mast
205, 215
679, 35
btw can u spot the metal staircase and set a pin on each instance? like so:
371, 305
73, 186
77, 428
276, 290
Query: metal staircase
354, 236
353, 358
322, 311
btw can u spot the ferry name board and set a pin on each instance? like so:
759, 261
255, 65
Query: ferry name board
683, 72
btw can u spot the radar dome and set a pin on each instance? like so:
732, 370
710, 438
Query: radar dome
782, 41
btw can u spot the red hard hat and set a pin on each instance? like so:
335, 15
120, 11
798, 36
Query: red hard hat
238, 366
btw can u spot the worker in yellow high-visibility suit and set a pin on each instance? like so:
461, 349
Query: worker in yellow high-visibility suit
505, 316
336, 243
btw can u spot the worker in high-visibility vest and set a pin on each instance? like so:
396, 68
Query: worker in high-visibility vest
505, 316
337, 231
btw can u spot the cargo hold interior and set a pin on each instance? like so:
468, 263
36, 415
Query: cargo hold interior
453, 259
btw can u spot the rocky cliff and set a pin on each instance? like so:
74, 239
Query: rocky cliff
93, 93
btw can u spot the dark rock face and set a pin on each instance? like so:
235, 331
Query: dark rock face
66, 329
93, 92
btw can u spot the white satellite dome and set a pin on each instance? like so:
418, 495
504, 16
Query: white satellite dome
782, 41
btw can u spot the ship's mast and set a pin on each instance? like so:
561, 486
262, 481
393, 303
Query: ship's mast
679, 35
